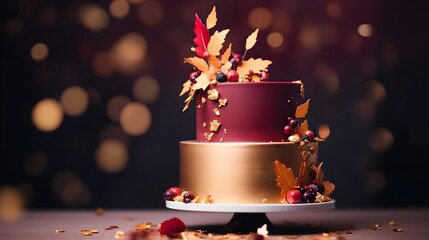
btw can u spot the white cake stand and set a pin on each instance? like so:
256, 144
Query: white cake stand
249, 217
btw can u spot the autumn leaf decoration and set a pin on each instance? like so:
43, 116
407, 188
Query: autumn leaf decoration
300, 113
211, 59
287, 181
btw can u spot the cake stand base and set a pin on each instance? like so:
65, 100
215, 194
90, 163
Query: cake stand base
248, 222
248, 218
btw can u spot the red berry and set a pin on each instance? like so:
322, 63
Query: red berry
238, 58
288, 130
293, 196
172, 227
232, 76
265, 76
193, 76
176, 190
308, 135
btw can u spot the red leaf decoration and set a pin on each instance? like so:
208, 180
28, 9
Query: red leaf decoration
202, 38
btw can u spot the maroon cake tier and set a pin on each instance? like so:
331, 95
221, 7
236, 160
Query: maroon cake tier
253, 112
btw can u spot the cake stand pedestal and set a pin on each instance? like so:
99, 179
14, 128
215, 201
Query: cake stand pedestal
249, 217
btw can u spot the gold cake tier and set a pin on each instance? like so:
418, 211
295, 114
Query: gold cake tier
239, 172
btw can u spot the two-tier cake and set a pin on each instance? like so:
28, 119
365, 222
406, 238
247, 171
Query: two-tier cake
253, 143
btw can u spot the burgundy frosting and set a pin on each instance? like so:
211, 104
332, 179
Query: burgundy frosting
255, 112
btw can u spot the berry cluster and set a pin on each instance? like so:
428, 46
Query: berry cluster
290, 129
306, 194
178, 195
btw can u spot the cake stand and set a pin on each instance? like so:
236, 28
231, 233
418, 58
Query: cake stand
249, 217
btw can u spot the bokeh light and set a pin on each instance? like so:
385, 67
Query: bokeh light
119, 8
275, 39
150, 12
329, 78
93, 17
365, 111
36, 164
324, 131
146, 89
376, 91
71, 190
115, 106
365, 30
12, 206
111, 156
128, 52
47, 115
260, 17
135, 118
74, 100
309, 37
39, 52
13, 26
381, 140
334, 10
101, 64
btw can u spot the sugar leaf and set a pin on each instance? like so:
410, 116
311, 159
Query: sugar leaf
251, 39
303, 127
256, 65
211, 19
285, 177
303, 176
319, 173
216, 42
214, 61
189, 99
197, 62
329, 188
202, 82
226, 54
301, 110
202, 38
186, 87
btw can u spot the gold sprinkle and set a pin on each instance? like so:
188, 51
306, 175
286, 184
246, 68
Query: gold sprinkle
222, 102
60, 231
143, 226
94, 231
393, 223
397, 229
86, 232
119, 234
203, 100
204, 124
213, 94
111, 227
216, 111
376, 227
214, 125
264, 200
208, 136
99, 211
224, 131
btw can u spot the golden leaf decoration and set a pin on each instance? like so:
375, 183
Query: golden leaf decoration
329, 188
226, 54
301, 110
319, 173
251, 39
303, 176
226, 66
302, 128
186, 87
202, 82
256, 65
197, 62
189, 100
216, 42
214, 61
285, 177
211, 19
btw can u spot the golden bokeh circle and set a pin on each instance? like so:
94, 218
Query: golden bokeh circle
47, 115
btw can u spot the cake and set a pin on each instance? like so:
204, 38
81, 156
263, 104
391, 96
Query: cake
253, 143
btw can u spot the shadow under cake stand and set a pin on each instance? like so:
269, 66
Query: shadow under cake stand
249, 217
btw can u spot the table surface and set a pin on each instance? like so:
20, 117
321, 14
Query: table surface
339, 223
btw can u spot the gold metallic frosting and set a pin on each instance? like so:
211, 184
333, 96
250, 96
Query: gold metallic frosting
239, 172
